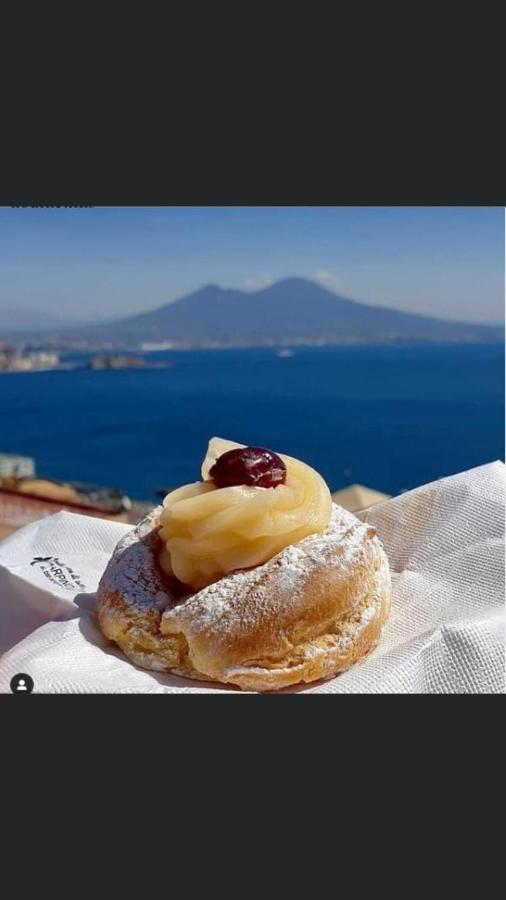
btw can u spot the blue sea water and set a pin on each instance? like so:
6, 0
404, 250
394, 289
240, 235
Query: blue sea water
390, 417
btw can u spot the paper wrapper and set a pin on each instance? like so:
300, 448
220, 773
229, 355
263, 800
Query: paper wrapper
445, 633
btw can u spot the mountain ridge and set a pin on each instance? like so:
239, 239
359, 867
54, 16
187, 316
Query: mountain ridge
290, 311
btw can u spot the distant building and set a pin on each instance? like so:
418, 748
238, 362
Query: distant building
14, 360
18, 508
356, 497
19, 466
152, 346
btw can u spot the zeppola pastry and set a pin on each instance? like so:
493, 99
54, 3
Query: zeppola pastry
251, 577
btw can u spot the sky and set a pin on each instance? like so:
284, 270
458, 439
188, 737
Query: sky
107, 262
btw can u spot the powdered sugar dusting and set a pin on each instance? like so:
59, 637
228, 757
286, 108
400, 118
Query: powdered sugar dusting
239, 603
134, 572
330, 646
273, 607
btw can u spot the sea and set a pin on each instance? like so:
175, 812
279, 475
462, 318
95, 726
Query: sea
389, 417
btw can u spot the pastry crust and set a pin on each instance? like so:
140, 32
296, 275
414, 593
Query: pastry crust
308, 613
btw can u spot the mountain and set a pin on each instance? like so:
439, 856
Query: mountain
292, 311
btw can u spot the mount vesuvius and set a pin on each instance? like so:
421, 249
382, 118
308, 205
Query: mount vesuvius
291, 311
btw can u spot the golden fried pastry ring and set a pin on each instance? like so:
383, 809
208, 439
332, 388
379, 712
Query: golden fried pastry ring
308, 613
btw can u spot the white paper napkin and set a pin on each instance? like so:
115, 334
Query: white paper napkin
445, 543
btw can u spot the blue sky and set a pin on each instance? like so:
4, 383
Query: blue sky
108, 262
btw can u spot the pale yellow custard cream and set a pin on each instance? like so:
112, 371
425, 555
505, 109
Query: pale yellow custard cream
209, 531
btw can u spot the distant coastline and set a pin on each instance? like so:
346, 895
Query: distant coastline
58, 346
18, 361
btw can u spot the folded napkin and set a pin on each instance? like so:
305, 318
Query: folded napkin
445, 635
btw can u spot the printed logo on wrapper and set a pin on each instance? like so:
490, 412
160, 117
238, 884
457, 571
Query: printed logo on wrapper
58, 572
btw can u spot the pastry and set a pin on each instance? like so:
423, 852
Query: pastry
251, 577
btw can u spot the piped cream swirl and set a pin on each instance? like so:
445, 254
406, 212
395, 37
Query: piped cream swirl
209, 531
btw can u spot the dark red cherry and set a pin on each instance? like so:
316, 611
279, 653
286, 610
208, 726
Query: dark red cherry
248, 465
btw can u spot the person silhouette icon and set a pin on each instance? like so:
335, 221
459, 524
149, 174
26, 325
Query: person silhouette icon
21, 684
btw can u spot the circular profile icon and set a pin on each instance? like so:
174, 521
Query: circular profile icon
21, 684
